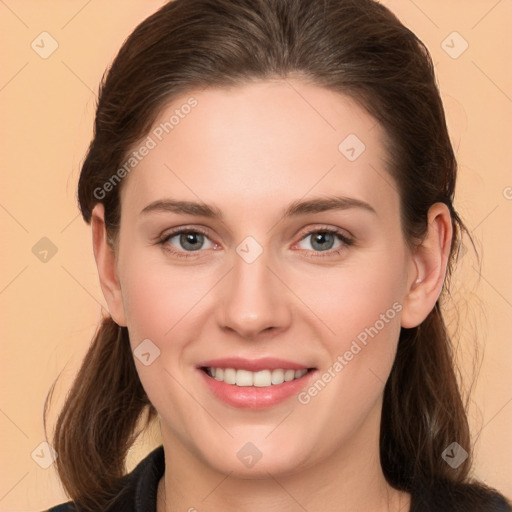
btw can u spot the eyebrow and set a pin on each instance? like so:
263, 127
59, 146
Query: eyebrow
294, 209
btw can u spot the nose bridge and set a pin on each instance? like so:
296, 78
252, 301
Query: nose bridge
253, 299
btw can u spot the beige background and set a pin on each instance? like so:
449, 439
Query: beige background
50, 308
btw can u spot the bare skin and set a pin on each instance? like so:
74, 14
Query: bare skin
250, 152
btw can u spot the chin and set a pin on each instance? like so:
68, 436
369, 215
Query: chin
247, 459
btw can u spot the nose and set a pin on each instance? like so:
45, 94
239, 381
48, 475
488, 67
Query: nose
254, 301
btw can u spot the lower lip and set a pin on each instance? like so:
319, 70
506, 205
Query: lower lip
251, 397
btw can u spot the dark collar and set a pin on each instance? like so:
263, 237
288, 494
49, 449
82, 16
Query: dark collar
146, 477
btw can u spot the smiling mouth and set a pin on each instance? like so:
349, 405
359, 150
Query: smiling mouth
262, 378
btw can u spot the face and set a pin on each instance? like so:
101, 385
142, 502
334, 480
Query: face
296, 269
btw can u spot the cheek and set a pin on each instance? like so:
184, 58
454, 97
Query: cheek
149, 306
352, 298
159, 305
360, 309
157, 297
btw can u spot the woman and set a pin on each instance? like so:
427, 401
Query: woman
234, 138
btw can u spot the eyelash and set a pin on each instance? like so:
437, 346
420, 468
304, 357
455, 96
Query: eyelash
347, 242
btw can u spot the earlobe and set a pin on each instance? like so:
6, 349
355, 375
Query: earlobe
428, 267
106, 264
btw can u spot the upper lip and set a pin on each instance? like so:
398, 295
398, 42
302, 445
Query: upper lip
253, 365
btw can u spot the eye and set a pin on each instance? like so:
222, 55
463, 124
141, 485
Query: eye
185, 241
325, 240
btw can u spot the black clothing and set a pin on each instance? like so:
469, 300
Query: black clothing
139, 491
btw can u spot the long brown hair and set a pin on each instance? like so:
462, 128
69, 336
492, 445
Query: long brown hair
355, 47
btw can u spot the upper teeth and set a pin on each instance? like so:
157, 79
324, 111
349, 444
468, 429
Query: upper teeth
259, 379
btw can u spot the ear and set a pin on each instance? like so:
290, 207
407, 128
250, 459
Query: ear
428, 269
105, 257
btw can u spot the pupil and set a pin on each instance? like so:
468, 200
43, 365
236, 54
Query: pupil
189, 240
322, 238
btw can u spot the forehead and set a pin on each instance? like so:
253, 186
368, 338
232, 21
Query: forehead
248, 144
